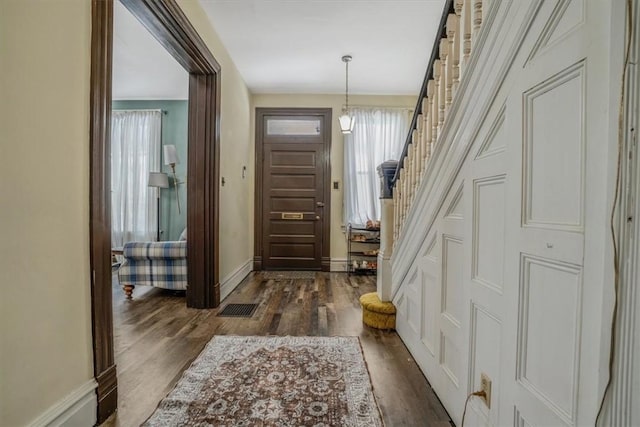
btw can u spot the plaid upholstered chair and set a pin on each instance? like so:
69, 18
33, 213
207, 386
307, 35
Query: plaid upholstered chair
159, 264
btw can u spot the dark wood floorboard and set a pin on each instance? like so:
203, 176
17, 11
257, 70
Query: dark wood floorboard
157, 338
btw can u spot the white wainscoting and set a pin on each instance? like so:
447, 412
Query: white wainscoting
493, 273
78, 409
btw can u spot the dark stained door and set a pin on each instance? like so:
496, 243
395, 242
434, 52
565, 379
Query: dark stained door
295, 169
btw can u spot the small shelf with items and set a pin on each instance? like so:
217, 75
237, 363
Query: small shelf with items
363, 245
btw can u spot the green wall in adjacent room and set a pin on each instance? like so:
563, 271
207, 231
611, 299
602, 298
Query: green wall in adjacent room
174, 131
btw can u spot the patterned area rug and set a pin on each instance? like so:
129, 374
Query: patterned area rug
288, 275
274, 382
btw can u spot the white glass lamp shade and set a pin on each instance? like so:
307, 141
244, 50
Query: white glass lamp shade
346, 123
158, 179
170, 155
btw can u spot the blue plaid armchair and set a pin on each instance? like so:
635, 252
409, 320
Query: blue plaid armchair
159, 264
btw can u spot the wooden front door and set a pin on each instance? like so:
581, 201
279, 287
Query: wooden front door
292, 189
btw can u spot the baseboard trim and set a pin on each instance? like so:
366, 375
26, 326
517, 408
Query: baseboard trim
107, 392
229, 283
76, 409
257, 263
338, 264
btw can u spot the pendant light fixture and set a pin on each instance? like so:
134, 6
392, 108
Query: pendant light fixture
346, 120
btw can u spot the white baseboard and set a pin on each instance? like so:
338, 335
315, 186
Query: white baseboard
338, 264
229, 283
78, 409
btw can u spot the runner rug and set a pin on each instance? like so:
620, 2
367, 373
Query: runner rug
273, 382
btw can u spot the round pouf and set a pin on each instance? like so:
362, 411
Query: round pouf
377, 314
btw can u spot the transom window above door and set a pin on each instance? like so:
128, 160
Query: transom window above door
293, 127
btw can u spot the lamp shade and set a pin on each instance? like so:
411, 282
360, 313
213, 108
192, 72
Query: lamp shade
346, 123
158, 179
170, 155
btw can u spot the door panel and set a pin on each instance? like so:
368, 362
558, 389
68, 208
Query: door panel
297, 204
294, 151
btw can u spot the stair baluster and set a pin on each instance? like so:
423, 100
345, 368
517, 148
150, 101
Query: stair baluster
460, 24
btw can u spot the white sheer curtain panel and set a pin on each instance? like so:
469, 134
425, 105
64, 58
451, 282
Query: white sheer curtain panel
378, 135
135, 151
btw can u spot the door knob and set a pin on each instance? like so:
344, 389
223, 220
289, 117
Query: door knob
320, 204
317, 217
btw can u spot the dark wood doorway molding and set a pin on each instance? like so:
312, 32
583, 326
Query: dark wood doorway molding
169, 25
326, 113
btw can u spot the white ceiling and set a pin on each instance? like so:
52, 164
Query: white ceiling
142, 68
295, 46
291, 46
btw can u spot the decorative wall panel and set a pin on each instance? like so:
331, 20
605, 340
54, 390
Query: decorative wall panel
449, 359
548, 332
430, 311
567, 16
414, 301
455, 209
489, 231
519, 421
486, 338
495, 141
452, 262
554, 151
431, 251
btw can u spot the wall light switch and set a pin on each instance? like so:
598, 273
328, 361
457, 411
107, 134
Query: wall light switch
336, 185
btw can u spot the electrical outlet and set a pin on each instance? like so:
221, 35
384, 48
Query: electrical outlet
485, 385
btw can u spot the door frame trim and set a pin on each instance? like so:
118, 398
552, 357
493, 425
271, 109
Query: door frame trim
166, 21
326, 113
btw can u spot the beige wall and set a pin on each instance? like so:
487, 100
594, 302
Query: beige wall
335, 102
45, 335
45, 326
45, 339
236, 240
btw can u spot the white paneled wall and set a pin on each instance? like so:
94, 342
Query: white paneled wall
502, 258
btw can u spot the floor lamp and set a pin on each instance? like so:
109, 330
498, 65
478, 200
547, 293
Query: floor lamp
171, 159
158, 180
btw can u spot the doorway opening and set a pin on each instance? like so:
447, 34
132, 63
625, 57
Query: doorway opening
167, 22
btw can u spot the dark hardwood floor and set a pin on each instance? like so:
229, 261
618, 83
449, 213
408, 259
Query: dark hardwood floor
157, 338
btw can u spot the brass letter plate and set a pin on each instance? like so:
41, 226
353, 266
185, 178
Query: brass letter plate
292, 215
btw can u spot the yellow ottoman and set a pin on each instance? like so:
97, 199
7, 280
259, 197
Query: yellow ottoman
377, 314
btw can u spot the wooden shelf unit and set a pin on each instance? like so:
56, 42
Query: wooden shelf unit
356, 249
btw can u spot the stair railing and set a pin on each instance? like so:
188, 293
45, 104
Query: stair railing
459, 27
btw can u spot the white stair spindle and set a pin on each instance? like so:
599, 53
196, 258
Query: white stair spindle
466, 31
453, 34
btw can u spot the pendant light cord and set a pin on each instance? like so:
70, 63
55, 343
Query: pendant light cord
346, 59
347, 85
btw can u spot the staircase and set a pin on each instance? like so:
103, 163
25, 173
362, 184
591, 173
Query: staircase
460, 28
506, 172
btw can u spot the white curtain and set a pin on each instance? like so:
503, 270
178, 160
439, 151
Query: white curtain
378, 135
135, 151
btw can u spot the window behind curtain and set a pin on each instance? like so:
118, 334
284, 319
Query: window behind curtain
378, 135
135, 151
